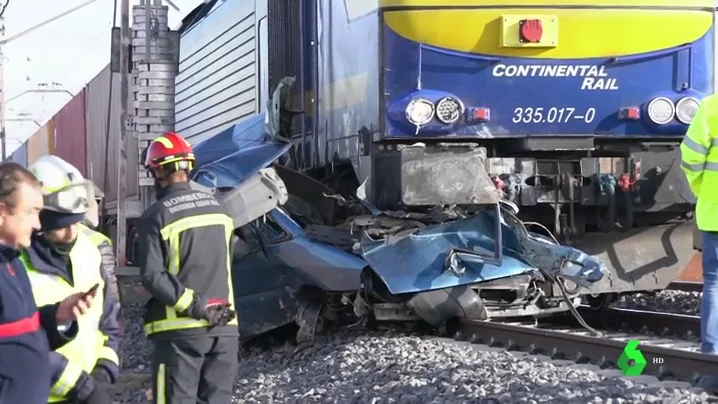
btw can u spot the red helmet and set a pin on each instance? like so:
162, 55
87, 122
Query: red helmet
170, 151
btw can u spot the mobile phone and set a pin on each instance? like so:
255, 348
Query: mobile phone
90, 292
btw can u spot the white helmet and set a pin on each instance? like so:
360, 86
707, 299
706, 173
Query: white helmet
63, 187
92, 216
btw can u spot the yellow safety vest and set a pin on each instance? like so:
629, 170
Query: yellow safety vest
699, 161
98, 239
94, 235
173, 319
83, 352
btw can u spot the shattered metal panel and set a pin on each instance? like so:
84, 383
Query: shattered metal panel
226, 159
255, 197
418, 262
461, 252
319, 264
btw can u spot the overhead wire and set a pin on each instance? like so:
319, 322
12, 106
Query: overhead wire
92, 43
5, 40
4, 7
64, 77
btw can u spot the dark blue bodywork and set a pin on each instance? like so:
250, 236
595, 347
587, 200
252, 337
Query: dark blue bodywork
226, 159
365, 89
470, 77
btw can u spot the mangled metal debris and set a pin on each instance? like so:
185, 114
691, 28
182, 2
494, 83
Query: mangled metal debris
318, 258
486, 247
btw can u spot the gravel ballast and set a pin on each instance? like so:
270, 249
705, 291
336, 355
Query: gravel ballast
135, 356
376, 367
135, 349
666, 301
396, 367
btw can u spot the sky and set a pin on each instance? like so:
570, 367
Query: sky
62, 56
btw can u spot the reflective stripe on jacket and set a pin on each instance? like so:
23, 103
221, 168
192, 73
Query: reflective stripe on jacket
24, 372
104, 245
184, 259
75, 360
699, 162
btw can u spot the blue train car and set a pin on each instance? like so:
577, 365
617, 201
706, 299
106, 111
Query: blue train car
574, 109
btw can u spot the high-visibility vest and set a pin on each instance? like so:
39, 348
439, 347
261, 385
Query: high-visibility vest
94, 235
83, 352
99, 239
699, 161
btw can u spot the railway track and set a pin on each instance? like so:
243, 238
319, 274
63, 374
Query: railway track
669, 342
686, 286
671, 339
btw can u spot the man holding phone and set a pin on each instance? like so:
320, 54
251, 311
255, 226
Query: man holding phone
61, 261
26, 332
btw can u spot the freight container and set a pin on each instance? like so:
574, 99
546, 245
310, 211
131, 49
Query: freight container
20, 155
70, 136
41, 142
101, 144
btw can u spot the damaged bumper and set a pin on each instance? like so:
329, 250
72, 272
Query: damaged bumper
487, 246
440, 256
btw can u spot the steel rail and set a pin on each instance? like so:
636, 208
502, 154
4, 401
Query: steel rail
674, 364
665, 324
666, 363
686, 286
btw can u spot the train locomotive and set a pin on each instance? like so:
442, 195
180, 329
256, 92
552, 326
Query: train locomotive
480, 159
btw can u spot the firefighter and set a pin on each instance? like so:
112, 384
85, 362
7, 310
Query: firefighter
26, 330
184, 260
61, 261
104, 245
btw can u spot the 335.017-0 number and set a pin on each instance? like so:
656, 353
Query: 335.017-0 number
552, 115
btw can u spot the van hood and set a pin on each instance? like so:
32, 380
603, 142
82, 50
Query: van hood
237, 153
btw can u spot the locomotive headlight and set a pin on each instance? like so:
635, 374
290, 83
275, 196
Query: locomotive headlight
448, 110
686, 109
420, 111
661, 110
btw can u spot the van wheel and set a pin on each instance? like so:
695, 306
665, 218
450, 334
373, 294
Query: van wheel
600, 301
311, 322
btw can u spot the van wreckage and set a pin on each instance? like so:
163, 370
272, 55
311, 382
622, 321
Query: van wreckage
304, 254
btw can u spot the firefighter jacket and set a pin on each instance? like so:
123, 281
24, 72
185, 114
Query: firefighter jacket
55, 277
25, 332
699, 161
184, 260
104, 245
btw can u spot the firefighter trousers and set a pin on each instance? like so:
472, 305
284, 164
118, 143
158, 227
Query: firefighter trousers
193, 371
